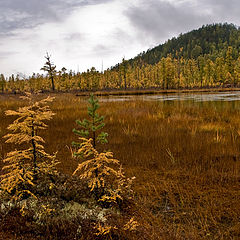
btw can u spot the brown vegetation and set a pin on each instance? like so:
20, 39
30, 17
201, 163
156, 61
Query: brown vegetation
185, 158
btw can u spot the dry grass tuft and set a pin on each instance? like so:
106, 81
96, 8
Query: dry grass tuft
185, 157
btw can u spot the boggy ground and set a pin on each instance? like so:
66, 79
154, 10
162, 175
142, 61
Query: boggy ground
185, 157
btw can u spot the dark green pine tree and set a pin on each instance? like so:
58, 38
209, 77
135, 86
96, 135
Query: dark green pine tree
90, 128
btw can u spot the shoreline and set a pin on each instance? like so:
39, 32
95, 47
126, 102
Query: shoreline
154, 92
116, 92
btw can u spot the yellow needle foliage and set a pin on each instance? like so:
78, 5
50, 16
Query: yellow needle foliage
103, 230
23, 166
104, 175
98, 168
122, 187
131, 225
18, 172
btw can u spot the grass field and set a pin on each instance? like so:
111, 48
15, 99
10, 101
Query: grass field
185, 157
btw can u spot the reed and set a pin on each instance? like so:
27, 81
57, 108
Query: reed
185, 157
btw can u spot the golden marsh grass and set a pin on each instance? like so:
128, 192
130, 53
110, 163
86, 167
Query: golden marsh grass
185, 156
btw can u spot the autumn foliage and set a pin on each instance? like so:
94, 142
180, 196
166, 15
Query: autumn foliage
25, 165
32, 187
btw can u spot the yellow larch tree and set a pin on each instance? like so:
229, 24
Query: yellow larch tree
22, 167
97, 169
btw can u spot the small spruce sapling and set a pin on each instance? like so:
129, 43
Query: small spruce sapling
89, 128
23, 166
103, 173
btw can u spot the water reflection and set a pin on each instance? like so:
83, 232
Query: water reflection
195, 97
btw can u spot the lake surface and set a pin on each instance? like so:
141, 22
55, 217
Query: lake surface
193, 97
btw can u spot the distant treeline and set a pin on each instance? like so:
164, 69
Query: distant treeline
207, 57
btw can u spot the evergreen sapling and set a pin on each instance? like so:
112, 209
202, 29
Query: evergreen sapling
89, 128
103, 173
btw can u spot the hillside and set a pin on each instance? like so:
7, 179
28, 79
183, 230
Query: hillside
203, 58
210, 40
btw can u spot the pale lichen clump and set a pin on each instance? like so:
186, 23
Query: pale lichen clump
105, 177
92, 200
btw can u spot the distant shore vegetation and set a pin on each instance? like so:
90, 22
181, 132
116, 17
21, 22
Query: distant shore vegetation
207, 57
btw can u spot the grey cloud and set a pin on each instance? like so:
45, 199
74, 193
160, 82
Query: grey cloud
18, 14
222, 9
74, 37
5, 54
102, 50
122, 35
160, 20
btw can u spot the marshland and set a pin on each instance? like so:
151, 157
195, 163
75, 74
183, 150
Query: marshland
146, 149
183, 151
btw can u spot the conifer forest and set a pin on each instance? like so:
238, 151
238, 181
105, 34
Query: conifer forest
147, 149
207, 57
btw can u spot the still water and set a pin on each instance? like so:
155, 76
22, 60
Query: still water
217, 101
193, 97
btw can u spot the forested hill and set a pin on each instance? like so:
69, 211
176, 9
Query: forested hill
207, 57
210, 40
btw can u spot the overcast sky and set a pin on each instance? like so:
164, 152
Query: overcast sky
80, 34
